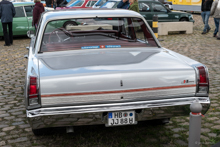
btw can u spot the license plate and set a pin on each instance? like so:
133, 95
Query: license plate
121, 118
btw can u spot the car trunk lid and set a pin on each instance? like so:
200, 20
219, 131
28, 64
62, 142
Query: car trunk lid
105, 76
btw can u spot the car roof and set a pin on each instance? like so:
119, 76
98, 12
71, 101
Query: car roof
87, 13
17, 4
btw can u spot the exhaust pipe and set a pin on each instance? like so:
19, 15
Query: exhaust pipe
69, 130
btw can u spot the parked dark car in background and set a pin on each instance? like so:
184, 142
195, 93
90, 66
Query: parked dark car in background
148, 8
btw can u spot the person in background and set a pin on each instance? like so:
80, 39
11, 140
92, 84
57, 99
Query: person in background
216, 14
205, 13
54, 4
124, 4
7, 12
48, 3
59, 2
134, 5
38, 9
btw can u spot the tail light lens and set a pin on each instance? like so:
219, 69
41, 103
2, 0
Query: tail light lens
109, 18
203, 81
33, 91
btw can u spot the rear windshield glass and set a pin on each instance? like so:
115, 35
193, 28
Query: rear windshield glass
96, 33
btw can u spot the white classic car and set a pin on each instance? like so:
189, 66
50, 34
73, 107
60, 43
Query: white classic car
96, 66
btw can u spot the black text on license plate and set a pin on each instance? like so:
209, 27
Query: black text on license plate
121, 118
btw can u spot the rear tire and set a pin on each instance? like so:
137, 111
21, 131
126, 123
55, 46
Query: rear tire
71, 23
184, 19
162, 121
39, 132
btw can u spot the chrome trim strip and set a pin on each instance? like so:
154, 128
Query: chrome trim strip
114, 106
165, 88
134, 96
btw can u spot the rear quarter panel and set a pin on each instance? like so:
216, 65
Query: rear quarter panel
32, 69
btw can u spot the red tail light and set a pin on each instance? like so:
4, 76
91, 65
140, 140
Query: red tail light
203, 83
33, 87
109, 18
33, 91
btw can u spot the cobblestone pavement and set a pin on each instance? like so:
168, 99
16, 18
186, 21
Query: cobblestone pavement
15, 130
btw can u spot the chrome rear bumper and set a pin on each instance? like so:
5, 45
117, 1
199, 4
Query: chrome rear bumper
94, 114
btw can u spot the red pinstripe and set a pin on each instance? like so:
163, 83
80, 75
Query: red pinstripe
119, 91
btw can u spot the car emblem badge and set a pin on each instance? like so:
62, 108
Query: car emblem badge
186, 81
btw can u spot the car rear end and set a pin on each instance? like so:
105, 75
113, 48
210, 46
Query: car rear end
107, 70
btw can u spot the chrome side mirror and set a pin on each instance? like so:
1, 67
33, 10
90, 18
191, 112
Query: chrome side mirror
30, 33
26, 56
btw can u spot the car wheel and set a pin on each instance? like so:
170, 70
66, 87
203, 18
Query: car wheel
162, 121
184, 19
69, 23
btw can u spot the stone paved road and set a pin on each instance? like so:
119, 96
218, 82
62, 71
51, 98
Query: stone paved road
15, 131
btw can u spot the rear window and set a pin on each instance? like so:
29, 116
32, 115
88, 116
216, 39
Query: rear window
96, 33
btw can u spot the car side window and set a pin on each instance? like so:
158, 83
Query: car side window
158, 8
102, 2
29, 10
19, 12
79, 4
126, 30
138, 30
92, 3
88, 4
144, 7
